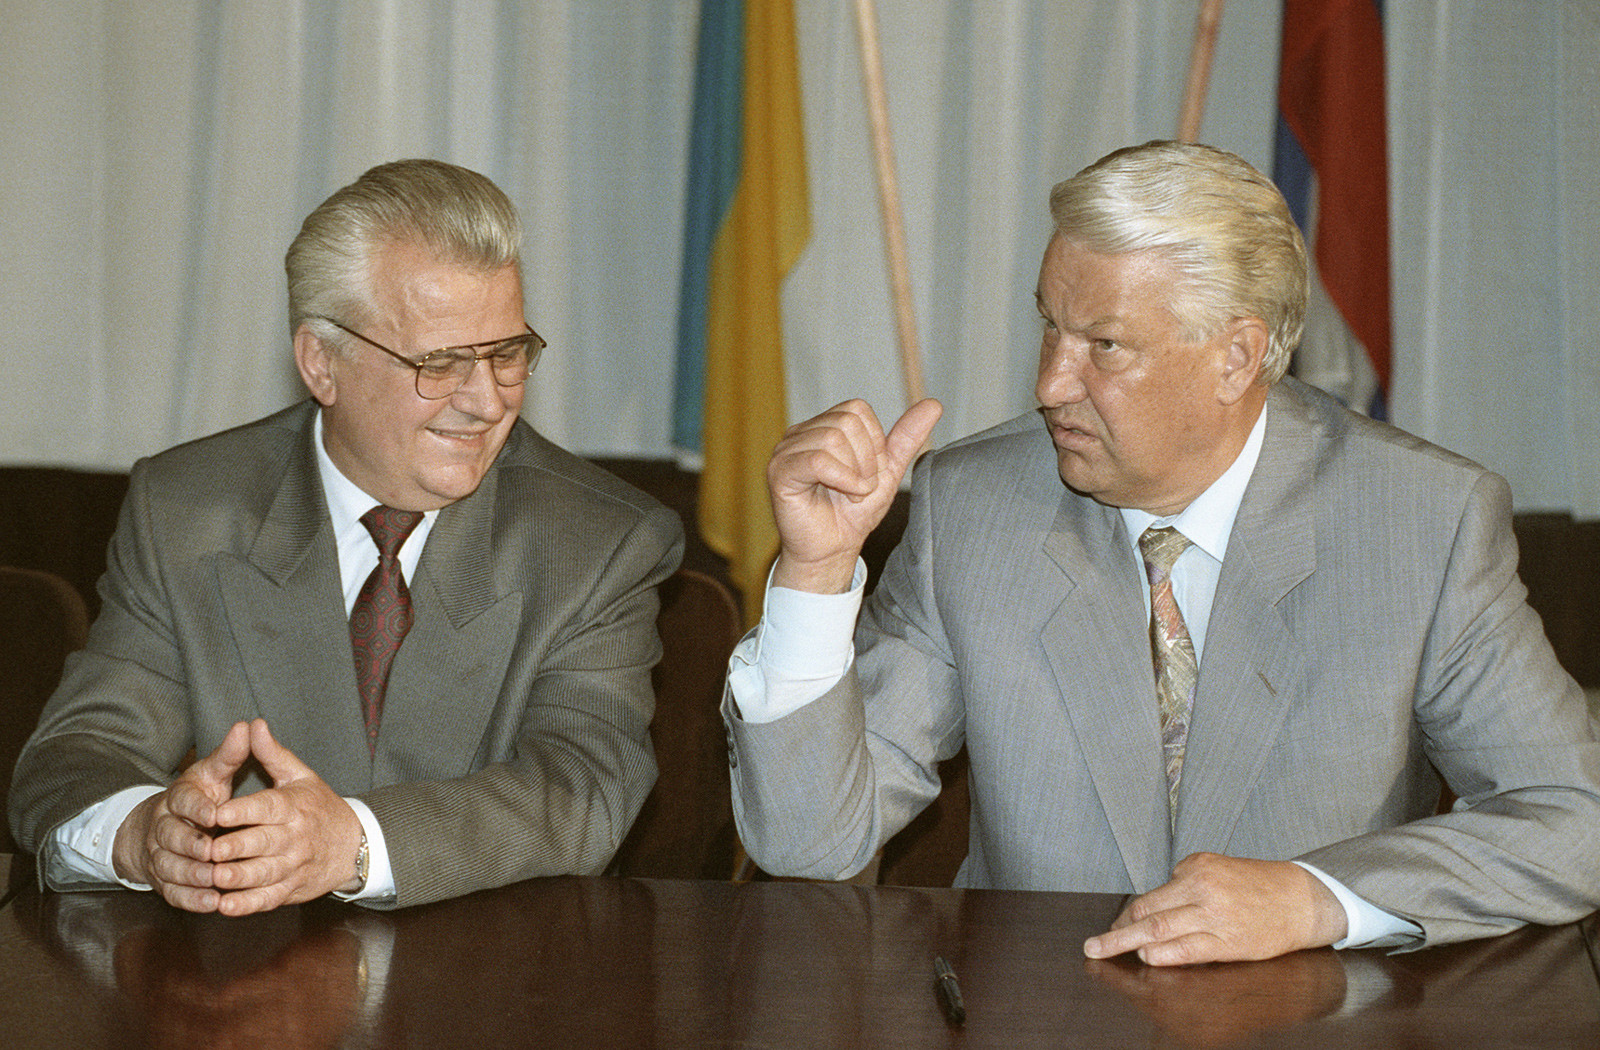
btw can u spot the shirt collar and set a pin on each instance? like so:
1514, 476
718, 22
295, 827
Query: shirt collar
1208, 520
346, 500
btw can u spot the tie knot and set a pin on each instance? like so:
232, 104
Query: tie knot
390, 527
1161, 547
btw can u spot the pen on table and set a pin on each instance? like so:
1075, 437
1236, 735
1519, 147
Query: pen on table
949, 991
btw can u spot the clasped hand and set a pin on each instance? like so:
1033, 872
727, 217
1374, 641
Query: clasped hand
205, 850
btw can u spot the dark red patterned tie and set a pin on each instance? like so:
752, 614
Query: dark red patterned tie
382, 614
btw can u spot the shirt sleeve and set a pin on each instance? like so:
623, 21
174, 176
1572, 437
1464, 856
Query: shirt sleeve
82, 856
800, 650
380, 872
1368, 926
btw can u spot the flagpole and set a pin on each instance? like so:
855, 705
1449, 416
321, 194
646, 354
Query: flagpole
889, 201
1205, 47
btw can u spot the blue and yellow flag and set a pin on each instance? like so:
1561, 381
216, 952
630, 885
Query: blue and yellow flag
747, 221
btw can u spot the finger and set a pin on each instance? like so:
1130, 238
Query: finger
911, 431
858, 424
830, 463
1146, 929
849, 432
1191, 948
253, 900
855, 419
255, 840
189, 898
174, 869
1165, 897
177, 836
251, 873
281, 764
260, 807
1123, 918
841, 456
222, 763
1114, 942
191, 802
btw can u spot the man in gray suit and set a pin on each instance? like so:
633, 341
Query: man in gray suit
1343, 616
507, 735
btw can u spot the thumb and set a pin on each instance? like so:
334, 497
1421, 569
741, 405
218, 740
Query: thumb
910, 433
281, 764
220, 766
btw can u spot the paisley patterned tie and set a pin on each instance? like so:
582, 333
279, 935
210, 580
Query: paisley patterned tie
1172, 652
381, 615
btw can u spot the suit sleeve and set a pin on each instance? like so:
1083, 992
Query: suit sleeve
818, 792
119, 718
580, 765
1510, 732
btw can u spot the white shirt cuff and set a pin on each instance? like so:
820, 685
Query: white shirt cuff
84, 844
800, 650
1368, 926
380, 872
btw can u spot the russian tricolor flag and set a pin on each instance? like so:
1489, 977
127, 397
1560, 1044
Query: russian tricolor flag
1332, 167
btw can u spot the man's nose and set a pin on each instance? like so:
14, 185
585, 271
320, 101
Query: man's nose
1060, 375
479, 395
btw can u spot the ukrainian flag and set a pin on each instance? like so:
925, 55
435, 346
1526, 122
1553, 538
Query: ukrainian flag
746, 224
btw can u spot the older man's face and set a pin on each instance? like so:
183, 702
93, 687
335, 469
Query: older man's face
401, 449
1140, 415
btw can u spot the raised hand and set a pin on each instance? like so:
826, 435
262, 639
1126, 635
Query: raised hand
1220, 909
166, 840
832, 479
292, 842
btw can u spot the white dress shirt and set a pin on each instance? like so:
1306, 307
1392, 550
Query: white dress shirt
804, 643
86, 840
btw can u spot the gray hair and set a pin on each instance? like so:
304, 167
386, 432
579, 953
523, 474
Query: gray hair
461, 216
1221, 223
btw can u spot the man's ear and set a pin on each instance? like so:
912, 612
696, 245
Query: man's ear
1246, 349
316, 361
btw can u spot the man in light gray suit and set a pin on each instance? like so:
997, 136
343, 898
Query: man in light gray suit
1348, 593
507, 739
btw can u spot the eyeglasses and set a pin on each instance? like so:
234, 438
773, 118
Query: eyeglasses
442, 372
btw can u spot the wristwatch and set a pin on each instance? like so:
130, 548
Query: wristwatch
363, 863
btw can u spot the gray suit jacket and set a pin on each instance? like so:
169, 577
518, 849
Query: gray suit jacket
515, 731
1368, 622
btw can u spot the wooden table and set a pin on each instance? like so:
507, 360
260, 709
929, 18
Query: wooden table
602, 962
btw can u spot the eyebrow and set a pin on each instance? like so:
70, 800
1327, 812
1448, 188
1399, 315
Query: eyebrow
488, 342
1099, 322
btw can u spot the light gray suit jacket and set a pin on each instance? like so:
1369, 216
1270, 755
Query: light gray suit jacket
515, 734
1368, 622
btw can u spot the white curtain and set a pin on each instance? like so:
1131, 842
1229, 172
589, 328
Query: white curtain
157, 156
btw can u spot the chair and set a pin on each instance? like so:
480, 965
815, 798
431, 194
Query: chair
685, 829
42, 619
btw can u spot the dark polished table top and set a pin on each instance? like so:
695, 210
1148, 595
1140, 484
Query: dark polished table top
603, 962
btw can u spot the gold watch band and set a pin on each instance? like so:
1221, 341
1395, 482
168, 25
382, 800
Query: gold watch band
363, 862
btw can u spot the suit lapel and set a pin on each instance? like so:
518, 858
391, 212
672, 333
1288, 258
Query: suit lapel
286, 611
446, 679
1100, 654
1252, 657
